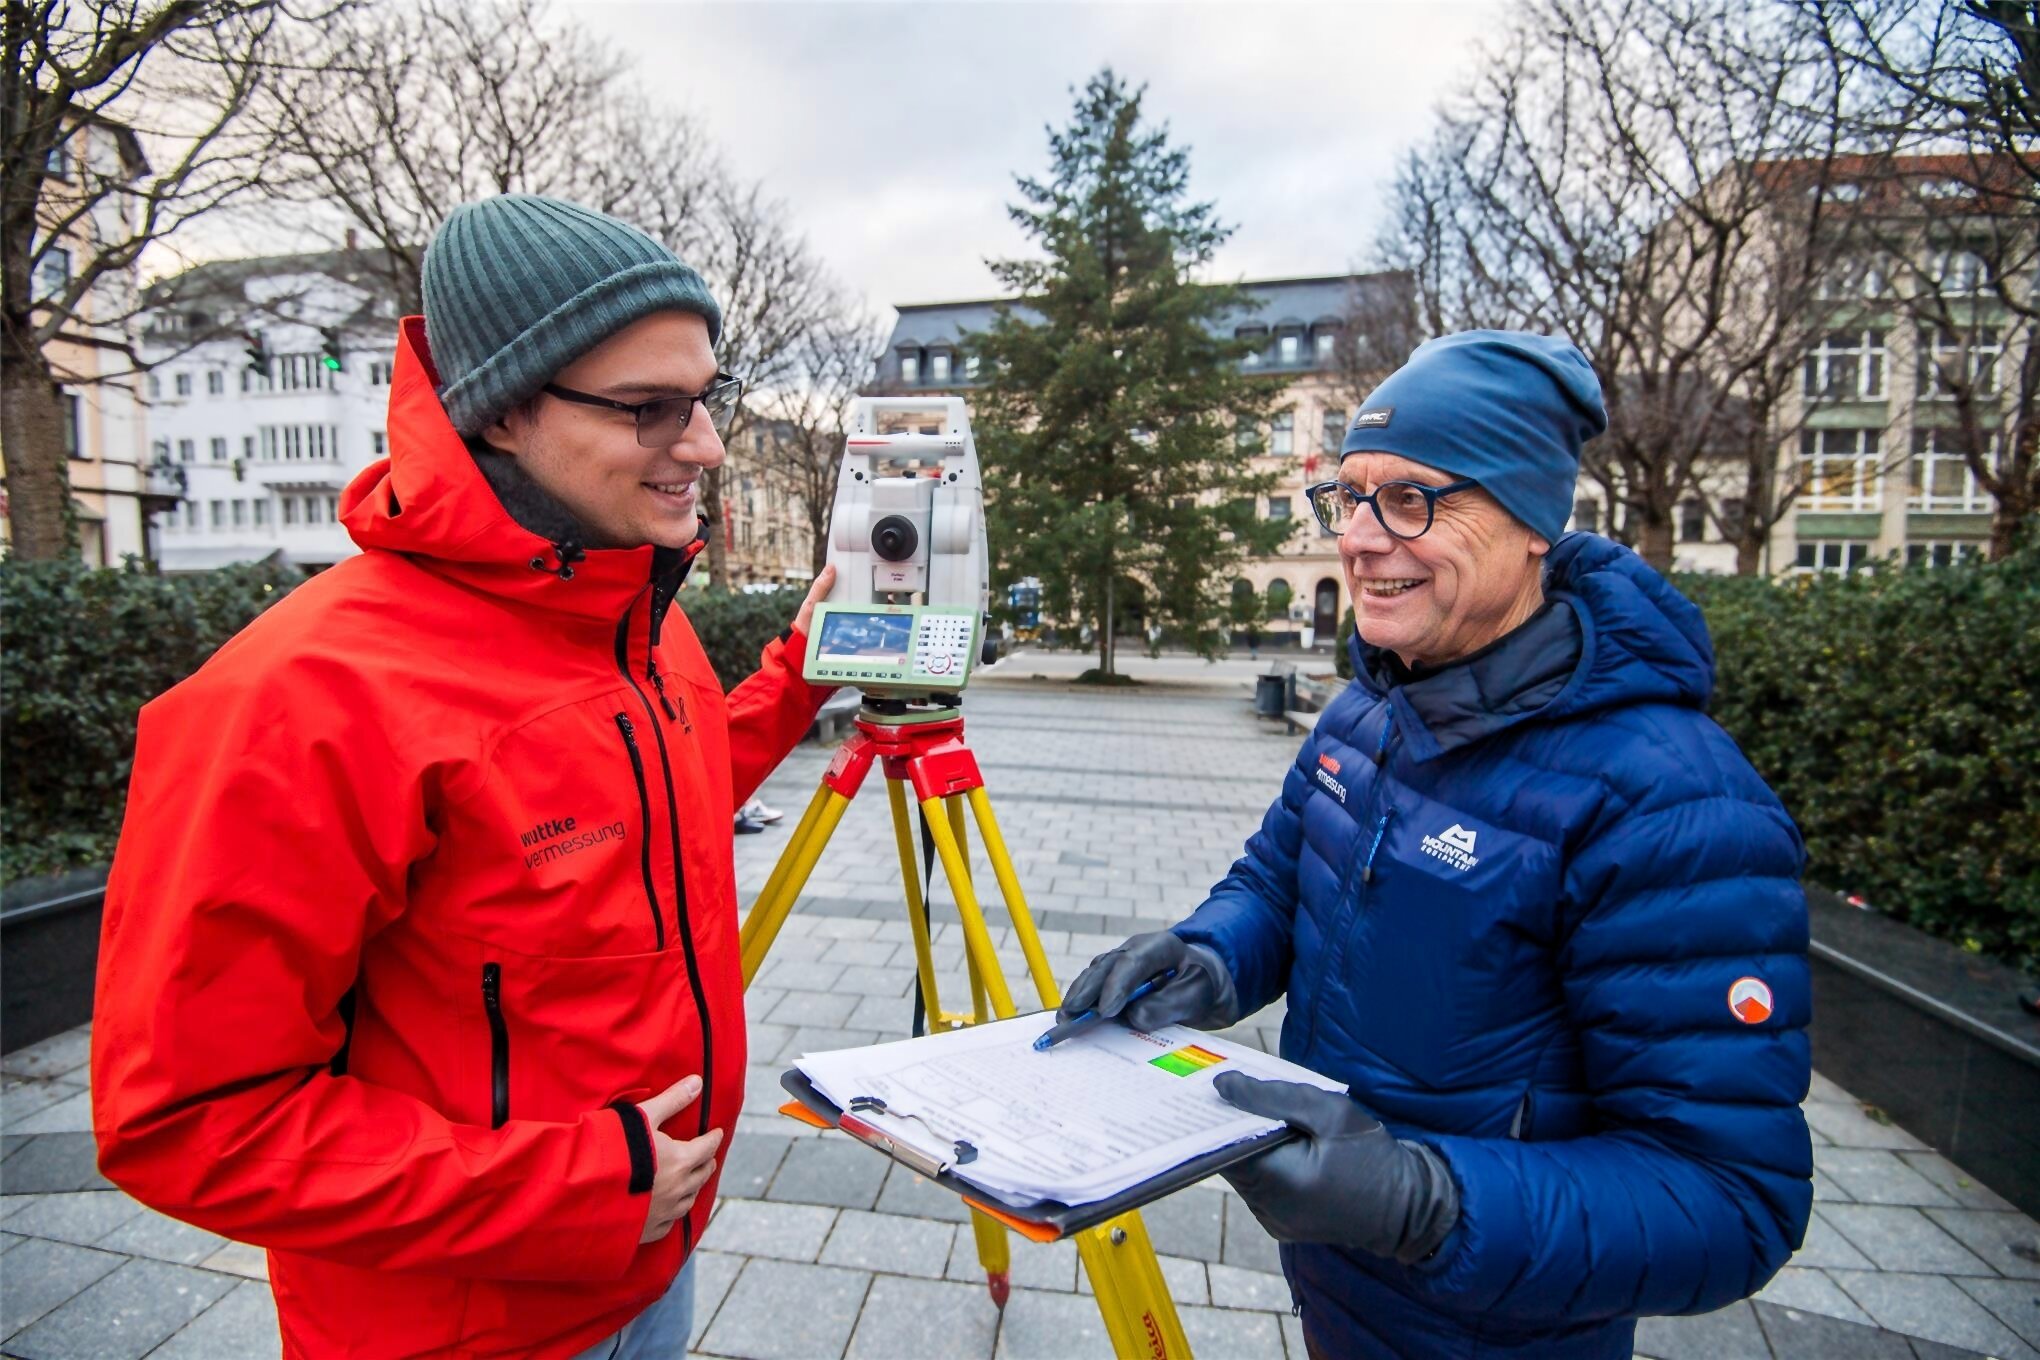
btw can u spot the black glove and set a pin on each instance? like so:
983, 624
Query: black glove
1200, 994
1348, 1181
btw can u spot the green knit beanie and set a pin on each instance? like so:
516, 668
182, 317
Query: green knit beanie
517, 287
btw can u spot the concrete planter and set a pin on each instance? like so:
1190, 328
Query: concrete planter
1934, 1037
49, 952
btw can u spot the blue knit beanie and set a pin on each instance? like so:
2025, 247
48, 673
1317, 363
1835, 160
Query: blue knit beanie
1507, 408
517, 287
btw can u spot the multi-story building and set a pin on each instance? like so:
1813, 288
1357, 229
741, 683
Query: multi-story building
1301, 329
765, 530
113, 495
1872, 455
268, 390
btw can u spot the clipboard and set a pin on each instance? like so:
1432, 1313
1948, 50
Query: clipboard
1044, 1220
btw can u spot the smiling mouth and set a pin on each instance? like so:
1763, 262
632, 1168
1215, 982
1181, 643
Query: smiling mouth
1382, 590
669, 488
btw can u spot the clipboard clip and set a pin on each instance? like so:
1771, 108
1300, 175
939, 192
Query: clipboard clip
963, 1150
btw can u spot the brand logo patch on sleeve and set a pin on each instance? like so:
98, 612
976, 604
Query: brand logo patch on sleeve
1330, 762
1750, 1000
1373, 419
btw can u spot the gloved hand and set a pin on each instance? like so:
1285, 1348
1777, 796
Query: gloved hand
1200, 994
1348, 1181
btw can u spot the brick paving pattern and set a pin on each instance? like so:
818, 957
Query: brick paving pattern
1119, 810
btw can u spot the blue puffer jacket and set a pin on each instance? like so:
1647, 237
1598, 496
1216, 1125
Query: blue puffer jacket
1509, 901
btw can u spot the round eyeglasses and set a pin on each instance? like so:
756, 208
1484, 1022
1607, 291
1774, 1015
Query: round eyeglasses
662, 420
1405, 509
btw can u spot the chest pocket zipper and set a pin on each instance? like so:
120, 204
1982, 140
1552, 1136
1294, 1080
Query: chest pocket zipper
644, 798
499, 1045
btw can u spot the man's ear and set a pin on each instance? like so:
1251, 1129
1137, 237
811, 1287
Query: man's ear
1539, 545
511, 432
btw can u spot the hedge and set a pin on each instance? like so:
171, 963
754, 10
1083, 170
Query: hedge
734, 626
1897, 714
84, 649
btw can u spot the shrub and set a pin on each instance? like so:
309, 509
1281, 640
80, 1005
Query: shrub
1897, 714
85, 648
734, 626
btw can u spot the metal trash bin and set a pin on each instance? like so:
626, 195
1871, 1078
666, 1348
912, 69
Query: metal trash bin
1271, 695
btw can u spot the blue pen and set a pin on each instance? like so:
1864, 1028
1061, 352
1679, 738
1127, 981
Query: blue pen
1083, 1020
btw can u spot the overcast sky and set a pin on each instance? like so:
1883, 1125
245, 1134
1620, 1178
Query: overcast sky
893, 131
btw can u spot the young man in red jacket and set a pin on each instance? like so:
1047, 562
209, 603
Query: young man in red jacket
420, 955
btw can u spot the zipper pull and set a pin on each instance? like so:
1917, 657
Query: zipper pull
659, 684
629, 732
1380, 830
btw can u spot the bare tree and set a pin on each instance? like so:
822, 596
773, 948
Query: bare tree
1951, 100
798, 431
121, 122
1379, 326
1606, 178
397, 115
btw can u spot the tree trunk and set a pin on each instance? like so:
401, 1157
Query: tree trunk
39, 512
718, 532
1111, 579
1654, 540
818, 542
2014, 508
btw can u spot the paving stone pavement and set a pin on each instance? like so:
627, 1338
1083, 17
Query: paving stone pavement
1119, 810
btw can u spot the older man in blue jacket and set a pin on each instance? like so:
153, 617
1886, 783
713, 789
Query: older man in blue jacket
1525, 897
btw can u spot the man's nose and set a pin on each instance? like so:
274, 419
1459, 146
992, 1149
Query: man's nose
1365, 534
699, 444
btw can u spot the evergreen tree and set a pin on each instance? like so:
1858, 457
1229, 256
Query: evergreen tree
1117, 425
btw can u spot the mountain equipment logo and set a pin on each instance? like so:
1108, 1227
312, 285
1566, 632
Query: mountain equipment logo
1453, 845
1750, 1000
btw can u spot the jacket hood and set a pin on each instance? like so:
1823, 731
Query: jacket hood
430, 501
1612, 633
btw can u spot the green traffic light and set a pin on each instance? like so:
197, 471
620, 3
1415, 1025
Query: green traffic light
331, 363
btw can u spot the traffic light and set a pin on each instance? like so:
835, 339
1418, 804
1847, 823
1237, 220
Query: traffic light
329, 353
258, 353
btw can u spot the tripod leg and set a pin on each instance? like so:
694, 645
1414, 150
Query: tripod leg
977, 940
917, 917
1133, 1296
1016, 903
995, 1254
768, 913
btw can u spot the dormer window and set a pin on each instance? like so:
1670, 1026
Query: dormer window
1289, 348
1256, 336
938, 367
910, 367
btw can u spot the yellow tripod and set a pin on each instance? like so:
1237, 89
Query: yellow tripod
926, 749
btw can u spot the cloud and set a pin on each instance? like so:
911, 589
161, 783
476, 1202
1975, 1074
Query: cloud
893, 131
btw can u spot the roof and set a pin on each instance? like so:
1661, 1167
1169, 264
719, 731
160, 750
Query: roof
1304, 301
1995, 183
221, 286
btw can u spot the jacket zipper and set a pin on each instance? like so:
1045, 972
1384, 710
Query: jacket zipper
499, 1045
679, 891
659, 684
1336, 938
644, 798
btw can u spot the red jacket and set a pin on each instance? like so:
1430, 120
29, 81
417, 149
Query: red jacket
479, 800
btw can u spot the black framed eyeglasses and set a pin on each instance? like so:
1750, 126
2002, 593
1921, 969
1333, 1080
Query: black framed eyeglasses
662, 420
1405, 509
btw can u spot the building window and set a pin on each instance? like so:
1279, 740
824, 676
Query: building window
1279, 596
248, 447
219, 514
1941, 475
1832, 554
1327, 344
1692, 521
1959, 273
378, 443
1278, 507
187, 450
240, 513
970, 367
215, 383
1841, 469
191, 514
290, 509
58, 164
1853, 276
910, 367
159, 451
52, 274
1949, 357
1331, 430
297, 373
938, 367
379, 373
1246, 438
1290, 348
183, 384
219, 450
1845, 366
1586, 516
1941, 553
261, 513
67, 406
333, 509
1257, 336
1282, 434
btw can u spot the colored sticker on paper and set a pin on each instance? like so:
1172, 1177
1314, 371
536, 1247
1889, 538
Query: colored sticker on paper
1187, 1061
